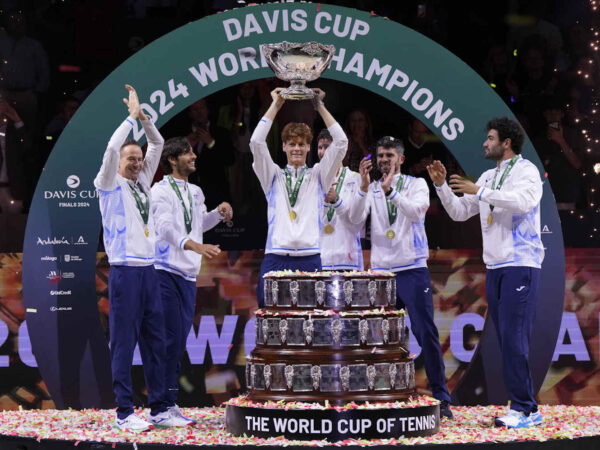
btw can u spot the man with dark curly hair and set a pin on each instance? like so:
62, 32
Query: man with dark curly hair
181, 218
507, 198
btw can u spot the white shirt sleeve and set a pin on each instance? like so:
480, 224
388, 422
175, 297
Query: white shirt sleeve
106, 179
153, 153
458, 208
358, 209
415, 205
525, 193
263, 165
334, 155
210, 219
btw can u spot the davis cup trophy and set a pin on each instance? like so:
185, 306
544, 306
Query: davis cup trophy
298, 62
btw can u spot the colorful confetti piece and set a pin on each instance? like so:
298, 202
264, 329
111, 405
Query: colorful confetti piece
470, 425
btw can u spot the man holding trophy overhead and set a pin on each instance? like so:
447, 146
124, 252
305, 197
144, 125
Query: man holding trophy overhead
294, 194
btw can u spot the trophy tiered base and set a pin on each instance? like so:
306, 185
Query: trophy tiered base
331, 361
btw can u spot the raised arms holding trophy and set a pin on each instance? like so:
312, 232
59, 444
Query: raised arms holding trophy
294, 194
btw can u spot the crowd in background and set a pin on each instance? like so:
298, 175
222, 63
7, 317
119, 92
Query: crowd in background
535, 54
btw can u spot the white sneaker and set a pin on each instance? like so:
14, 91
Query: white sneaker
176, 412
514, 419
166, 420
133, 423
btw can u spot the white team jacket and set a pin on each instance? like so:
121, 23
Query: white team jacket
513, 238
299, 237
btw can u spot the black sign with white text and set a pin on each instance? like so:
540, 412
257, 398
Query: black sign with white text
315, 424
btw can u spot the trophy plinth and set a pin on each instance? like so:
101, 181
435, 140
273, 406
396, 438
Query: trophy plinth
298, 63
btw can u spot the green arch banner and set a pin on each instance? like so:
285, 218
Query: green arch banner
194, 61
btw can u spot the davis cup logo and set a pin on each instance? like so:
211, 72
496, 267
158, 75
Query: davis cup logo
73, 181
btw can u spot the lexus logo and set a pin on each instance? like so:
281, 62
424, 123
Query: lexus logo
73, 181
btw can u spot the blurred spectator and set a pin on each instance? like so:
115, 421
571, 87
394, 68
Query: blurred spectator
57, 124
530, 20
214, 151
577, 40
560, 148
534, 78
24, 78
14, 160
54, 128
496, 69
359, 130
421, 148
25, 69
242, 117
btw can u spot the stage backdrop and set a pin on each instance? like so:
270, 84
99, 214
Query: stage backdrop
204, 57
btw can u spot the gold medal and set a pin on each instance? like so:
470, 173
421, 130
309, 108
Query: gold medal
293, 215
328, 229
489, 219
390, 234
146, 232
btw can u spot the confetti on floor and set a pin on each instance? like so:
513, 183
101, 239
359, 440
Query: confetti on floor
470, 425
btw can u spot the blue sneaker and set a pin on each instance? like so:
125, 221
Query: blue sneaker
536, 418
514, 419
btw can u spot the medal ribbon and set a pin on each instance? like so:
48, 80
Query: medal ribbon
144, 209
293, 194
338, 188
187, 216
510, 165
392, 210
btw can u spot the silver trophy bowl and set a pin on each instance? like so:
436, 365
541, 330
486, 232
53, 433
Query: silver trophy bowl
298, 62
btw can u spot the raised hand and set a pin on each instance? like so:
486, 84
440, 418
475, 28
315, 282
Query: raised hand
462, 185
365, 167
437, 172
320, 94
386, 183
133, 104
278, 100
332, 196
226, 211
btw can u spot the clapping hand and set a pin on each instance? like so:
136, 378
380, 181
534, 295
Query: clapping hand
133, 104
437, 172
386, 183
365, 167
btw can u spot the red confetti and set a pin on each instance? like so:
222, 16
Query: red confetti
470, 425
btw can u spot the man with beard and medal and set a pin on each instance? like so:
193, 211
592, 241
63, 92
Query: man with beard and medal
507, 198
294, 194
136, 313
340, 238
397, 204
181, 218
